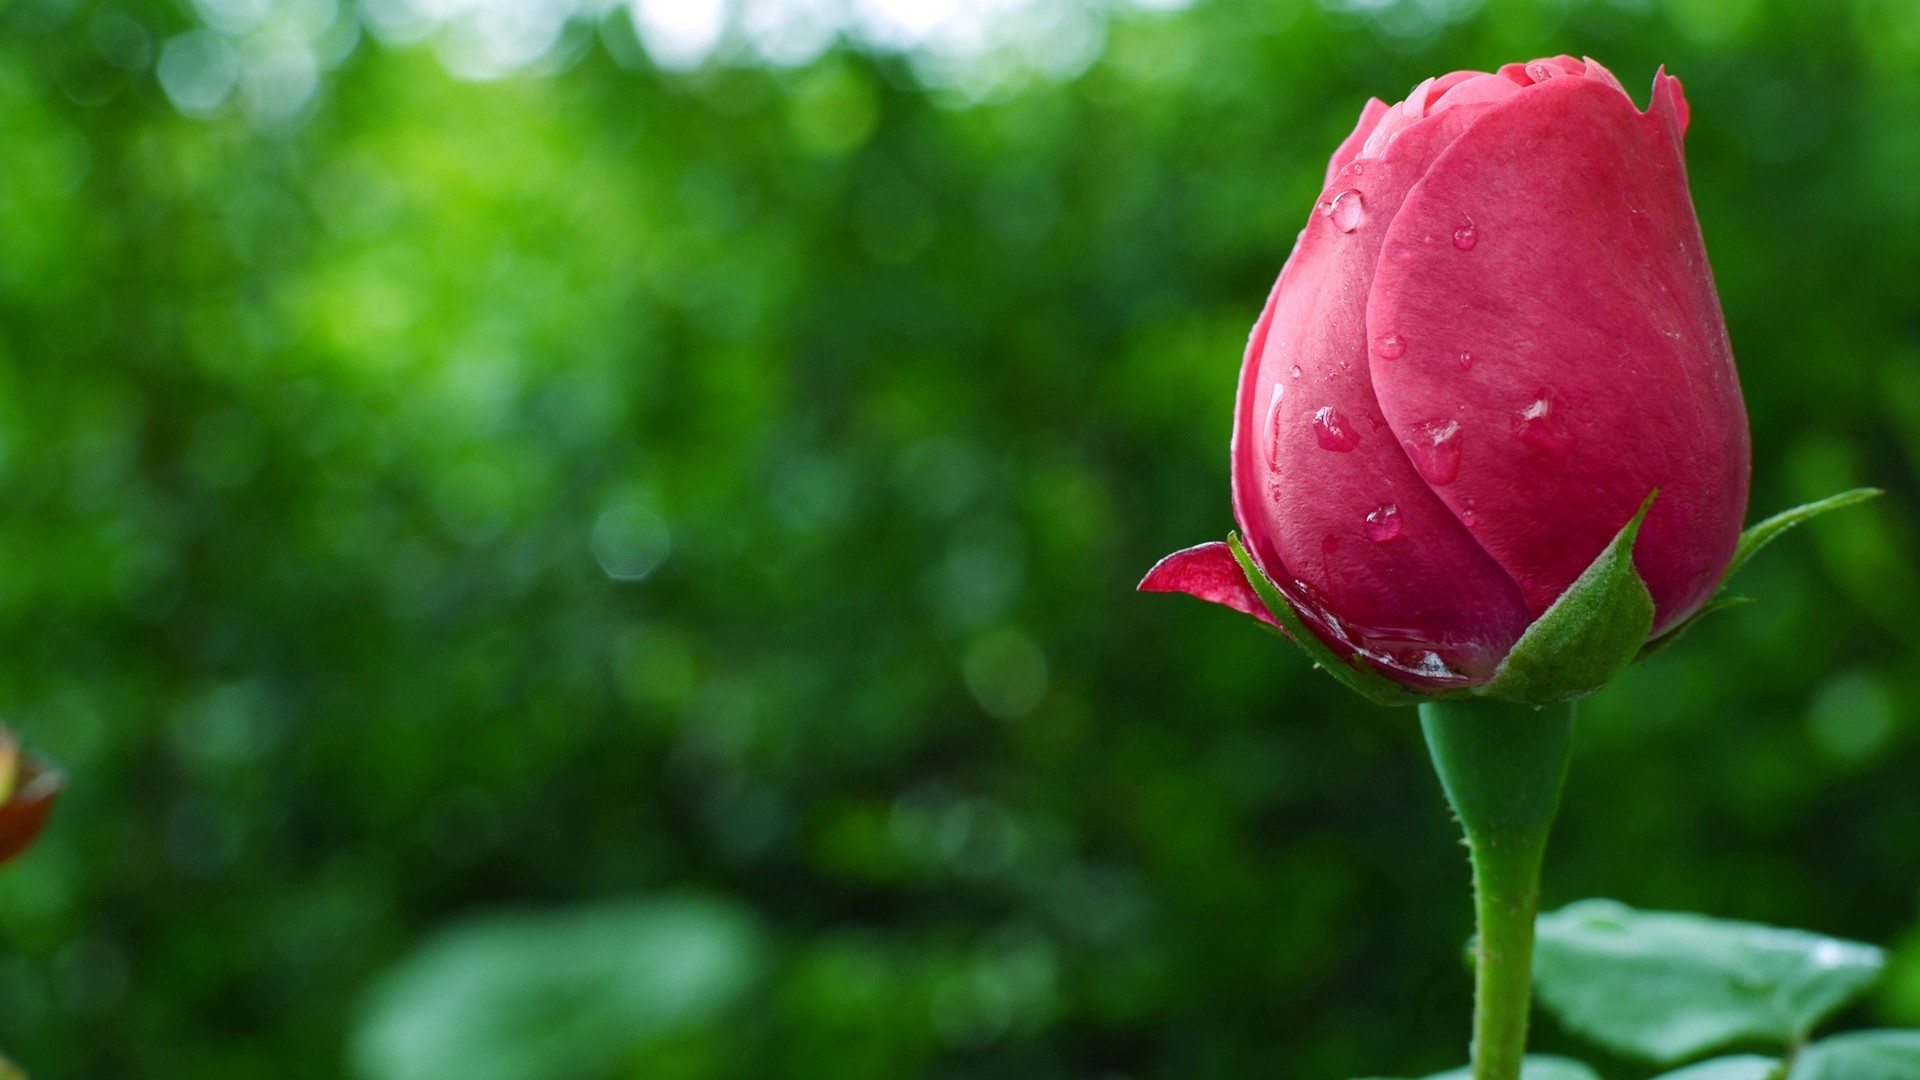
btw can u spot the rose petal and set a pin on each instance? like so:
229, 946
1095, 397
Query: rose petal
1670, 104
1350, 147
1552, 67
1415, 103
1210, 572
1600, 364
1304, 508
1595, 71
1392, 122
1447, 82
1480, 88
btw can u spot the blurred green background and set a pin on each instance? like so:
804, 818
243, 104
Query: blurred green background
562, 542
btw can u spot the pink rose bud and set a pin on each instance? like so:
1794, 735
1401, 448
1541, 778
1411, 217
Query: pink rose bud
28, 789
1496, 336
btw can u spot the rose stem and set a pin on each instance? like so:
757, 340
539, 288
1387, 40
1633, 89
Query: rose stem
1502, 767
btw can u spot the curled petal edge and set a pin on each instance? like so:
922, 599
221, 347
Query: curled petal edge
1209, 572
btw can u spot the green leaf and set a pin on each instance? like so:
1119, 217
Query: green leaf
1740, 1067
555, 996
1589, 635
1861, 1055
1766, 532
1362, 680
1666, 987
1536, 1067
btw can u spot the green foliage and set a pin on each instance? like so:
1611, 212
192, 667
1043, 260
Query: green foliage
1738, 1067
1861, 1055
556, 996
1536, 1067
1590, 634
1667, 987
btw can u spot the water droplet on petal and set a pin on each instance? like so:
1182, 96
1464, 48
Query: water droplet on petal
1383, 524
1390, 347
1347, 211
1541, 427
1466, 514
1333, 431
1273, 427
1465, 237
1434, 447
1466, 360
1294, 371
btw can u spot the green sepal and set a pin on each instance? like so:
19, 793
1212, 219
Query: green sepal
1590, 634
1749, 545
1861, 1055
1738, 1067
1366, 682
1766, 532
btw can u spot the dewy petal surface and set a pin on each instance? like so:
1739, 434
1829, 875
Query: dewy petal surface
1328, 502
1600, 367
